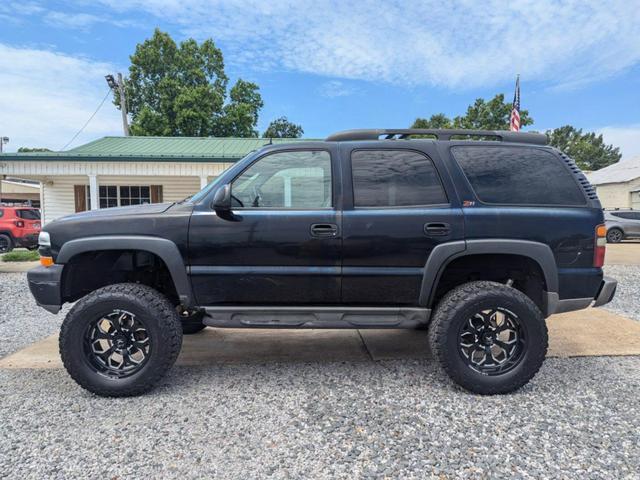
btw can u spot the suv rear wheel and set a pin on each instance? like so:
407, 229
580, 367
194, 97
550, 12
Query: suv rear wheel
120, 340
488, 337
6, 244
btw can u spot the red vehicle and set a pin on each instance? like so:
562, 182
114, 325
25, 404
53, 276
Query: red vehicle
19, 227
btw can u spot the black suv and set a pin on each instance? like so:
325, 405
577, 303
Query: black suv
476, 235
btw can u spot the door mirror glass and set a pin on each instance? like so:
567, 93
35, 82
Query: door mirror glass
222, 199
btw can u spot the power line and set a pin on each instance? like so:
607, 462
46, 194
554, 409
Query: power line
87, 122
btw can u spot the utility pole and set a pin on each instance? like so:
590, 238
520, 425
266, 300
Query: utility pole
119, 84
3, 141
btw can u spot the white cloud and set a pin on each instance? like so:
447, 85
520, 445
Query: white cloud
465, 44
47, 96
335, 88
626, 137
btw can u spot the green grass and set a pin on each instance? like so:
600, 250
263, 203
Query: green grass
21, 256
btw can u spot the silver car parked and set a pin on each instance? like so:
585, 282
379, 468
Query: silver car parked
622, 224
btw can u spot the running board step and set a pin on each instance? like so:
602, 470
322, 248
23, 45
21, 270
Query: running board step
315, 317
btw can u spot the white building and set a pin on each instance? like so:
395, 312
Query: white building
618, 185
119, 171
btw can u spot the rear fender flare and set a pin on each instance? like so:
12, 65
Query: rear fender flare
444, 253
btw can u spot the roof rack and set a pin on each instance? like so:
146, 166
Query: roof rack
440, 134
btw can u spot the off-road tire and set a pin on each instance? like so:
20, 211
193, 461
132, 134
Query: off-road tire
457, 306
614, 235
193, 323
6, 240
161, 321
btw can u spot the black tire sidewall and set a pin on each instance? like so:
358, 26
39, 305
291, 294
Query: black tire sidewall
73, 351
532, 325
9, 243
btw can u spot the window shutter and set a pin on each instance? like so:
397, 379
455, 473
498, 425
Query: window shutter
80, 197
156, 193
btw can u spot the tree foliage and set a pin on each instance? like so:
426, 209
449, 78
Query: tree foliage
587, 149
181, 90
35, 149
481, 115
282, 128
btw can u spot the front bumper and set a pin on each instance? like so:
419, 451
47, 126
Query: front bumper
45, 285
606, 292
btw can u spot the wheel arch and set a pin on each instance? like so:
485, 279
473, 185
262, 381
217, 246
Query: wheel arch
445, 253
163, 248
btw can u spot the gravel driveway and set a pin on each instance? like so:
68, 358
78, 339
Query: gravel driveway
401, 418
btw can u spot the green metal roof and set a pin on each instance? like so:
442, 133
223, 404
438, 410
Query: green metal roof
179, 149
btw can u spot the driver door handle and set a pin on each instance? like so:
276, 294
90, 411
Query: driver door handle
324, 230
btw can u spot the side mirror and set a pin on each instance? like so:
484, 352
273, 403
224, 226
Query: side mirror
222, 199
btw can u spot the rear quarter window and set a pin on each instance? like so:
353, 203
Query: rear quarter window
518, 176
28, 214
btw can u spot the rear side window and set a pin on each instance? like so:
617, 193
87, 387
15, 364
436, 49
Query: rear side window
518, 176
395, 178
28, 214
627, 215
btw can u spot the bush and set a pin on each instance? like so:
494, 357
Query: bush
21, 256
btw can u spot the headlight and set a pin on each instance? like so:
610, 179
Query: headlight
44, 240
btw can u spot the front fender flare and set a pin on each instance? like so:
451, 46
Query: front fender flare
165, 249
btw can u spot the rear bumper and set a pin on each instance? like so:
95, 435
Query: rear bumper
606, 292
45, 286
27, 241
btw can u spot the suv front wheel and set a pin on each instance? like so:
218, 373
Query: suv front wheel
120, 340
488, 337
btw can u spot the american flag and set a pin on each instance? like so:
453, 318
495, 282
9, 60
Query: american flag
515, 111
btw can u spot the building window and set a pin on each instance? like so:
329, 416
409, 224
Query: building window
117, 196
108, 196
134, 195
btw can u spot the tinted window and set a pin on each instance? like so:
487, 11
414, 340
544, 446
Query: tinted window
1, 212
29, 214
394, 178
300, 179
627, 215
516, 175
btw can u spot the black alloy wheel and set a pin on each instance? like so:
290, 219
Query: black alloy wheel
492, 341
117, 344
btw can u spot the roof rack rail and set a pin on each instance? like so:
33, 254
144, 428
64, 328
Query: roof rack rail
440, 134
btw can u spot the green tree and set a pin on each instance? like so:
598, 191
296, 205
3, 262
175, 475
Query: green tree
282, 128
240, 115
181, 90
36, 149
587, 149
494, 114
439, 120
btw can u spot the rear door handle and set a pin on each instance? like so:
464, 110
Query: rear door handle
324, 230
437, 229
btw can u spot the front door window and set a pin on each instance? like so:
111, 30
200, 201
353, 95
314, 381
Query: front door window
293, 180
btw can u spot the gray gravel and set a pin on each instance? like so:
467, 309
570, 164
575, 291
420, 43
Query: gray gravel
577, 419
627, 299
22, 322
394, 419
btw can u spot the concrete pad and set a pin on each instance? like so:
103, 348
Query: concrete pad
228, 345
624, 253
14, 267
591, 332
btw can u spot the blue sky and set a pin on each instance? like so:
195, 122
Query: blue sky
333, 65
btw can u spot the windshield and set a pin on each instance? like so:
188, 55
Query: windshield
205, 191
